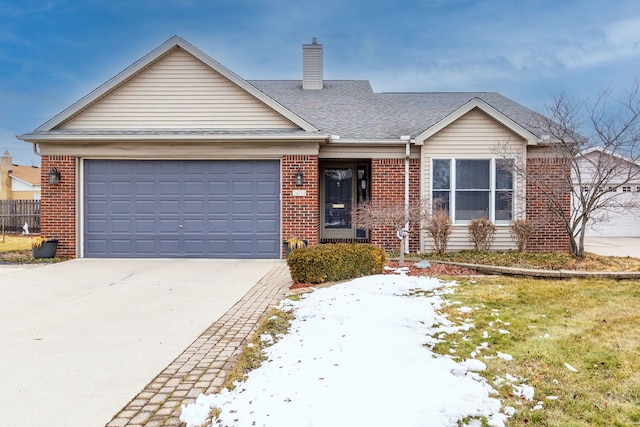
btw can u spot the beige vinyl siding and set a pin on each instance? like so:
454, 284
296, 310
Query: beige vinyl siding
176, 92
475, 135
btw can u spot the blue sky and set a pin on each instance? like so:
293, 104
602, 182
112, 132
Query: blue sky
54, 52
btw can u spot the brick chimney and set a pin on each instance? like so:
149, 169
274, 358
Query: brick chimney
5, 182
312, 65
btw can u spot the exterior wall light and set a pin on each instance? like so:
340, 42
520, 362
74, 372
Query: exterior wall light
54, 176
299, 177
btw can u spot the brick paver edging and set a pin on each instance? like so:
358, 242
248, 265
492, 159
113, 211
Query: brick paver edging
204, 365
547, 274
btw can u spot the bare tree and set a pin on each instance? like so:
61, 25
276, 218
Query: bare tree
598, 167
402, 219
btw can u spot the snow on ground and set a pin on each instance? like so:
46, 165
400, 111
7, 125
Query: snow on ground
358, 355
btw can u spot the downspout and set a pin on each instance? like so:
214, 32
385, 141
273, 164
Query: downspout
35, 149
407, 154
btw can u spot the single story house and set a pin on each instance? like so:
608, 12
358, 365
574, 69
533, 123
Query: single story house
177, 156
620, 215
18, 182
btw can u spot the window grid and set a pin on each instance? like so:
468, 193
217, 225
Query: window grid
449, 193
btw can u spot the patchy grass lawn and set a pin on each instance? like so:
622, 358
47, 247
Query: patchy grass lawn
544, 261
14, 243
591, 325
16, 249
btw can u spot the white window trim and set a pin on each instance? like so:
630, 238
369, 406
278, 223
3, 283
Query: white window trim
492, 189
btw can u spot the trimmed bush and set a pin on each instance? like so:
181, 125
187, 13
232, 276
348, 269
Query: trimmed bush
521, 230
334, 262
481, 233
438, 227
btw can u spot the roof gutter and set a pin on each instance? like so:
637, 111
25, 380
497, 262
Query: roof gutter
35, 138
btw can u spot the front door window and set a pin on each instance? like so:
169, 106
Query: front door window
343, 187
338, 190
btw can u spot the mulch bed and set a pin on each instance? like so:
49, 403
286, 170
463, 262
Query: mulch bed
435, 270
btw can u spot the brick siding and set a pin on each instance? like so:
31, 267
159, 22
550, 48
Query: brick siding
549, 235
387, 187
301, 214
58, 204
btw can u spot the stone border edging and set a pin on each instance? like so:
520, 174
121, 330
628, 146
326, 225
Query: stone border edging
550, 274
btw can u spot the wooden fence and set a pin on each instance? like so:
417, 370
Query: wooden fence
14, 214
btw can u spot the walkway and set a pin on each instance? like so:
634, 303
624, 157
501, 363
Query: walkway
204, 365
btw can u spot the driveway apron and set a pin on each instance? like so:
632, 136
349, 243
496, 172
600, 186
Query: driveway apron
80, 339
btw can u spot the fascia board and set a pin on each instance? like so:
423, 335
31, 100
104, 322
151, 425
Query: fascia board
531, 138
49, 138
152, 56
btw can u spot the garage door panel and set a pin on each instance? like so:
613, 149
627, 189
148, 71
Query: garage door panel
267, 207
119, 207
195, 207
169, 188
149, 208
266, 226
241, 207
266, 188
96, 207
97, 226
219, 247
241, 226
145, 188
95, 246
167, 207
122, 188
219, 207
243, 246
144, 207
121, 247
96, 188
267, 245
145, 246
121, 168
195, 188
122, 226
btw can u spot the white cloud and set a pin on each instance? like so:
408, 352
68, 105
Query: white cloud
619, 40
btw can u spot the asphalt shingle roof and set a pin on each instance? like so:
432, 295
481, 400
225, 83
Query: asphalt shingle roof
351, 109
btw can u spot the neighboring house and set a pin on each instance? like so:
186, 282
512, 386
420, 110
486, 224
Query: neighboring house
18, 182
177, 156
622, 216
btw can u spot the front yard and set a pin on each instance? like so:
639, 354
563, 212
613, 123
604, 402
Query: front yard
557, 353
577, 343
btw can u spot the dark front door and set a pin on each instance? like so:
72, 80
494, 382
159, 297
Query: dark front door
343, 186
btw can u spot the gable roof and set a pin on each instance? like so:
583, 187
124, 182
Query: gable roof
349, 109
151, 58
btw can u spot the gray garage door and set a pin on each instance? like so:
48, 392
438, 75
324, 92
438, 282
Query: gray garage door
199, 209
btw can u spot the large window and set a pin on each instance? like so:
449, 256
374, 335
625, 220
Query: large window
473, 188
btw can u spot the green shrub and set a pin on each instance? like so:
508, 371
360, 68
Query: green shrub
333, 262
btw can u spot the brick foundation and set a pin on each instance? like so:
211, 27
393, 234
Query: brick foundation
58, 204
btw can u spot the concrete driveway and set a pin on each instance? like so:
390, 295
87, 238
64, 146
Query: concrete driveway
80, 338
613, 246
